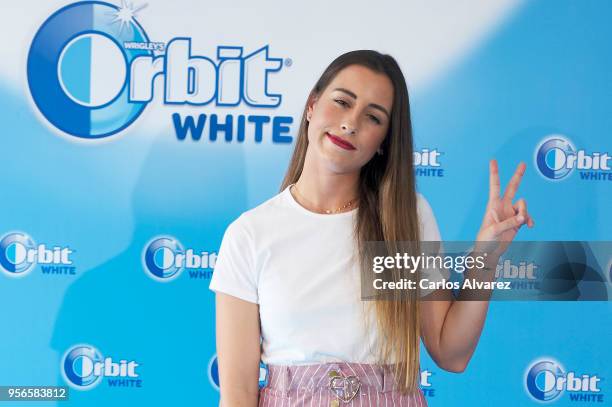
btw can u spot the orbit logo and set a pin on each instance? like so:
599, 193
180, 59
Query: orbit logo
556, 158
164, 259
213, 372
522, 276
91, 72
425, 385
427, 163
547, 379
83, 367
78, 71
19, 254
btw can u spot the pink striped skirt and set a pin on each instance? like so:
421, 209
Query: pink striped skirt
334, 385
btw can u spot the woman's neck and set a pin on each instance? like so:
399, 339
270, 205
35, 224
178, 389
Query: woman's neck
321, 190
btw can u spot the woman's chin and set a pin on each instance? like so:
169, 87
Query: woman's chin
337, 161
341, 166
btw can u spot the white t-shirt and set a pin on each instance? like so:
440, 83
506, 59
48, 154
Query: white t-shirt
301, 268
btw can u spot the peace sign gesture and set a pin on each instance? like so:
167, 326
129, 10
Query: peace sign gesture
503, 219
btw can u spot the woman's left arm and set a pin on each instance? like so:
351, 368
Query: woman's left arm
450, 328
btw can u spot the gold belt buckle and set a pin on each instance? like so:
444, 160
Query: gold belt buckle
344, 387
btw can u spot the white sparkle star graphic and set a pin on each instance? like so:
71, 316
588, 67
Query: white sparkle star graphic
126, 14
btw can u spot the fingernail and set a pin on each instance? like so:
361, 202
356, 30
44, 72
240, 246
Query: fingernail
520, 218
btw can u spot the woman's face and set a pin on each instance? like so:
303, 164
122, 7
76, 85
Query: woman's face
349, 120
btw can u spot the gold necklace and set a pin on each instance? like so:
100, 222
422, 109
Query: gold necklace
326, 211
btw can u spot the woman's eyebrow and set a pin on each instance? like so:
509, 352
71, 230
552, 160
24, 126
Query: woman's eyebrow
354, 96
348, 92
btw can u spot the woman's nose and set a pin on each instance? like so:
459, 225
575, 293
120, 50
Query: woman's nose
348, 128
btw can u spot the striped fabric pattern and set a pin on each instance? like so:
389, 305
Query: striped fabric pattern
308, 386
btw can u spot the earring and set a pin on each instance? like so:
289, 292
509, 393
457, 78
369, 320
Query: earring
379, 151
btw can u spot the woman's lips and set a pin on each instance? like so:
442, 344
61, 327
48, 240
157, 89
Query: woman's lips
339, 142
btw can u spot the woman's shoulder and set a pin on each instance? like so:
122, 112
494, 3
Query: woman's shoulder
261, 215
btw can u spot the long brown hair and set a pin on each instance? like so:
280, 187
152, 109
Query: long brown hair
387, 210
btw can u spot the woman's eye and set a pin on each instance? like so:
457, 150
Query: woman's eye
374, 118
341, 102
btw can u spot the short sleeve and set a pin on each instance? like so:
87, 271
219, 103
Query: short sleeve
427, 221
430, 233
234, 272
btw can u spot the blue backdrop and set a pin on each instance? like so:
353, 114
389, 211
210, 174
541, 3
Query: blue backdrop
127, 142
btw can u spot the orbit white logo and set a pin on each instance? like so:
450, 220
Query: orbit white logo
546, 379
83, 367
92, 70
427, 162
556, 158
19, 254
164, 259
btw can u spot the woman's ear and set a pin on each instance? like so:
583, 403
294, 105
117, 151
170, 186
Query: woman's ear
312, 100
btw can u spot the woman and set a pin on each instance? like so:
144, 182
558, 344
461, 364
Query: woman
289, 270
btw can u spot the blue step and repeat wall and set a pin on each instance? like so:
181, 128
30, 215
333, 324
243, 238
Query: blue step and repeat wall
133, 133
